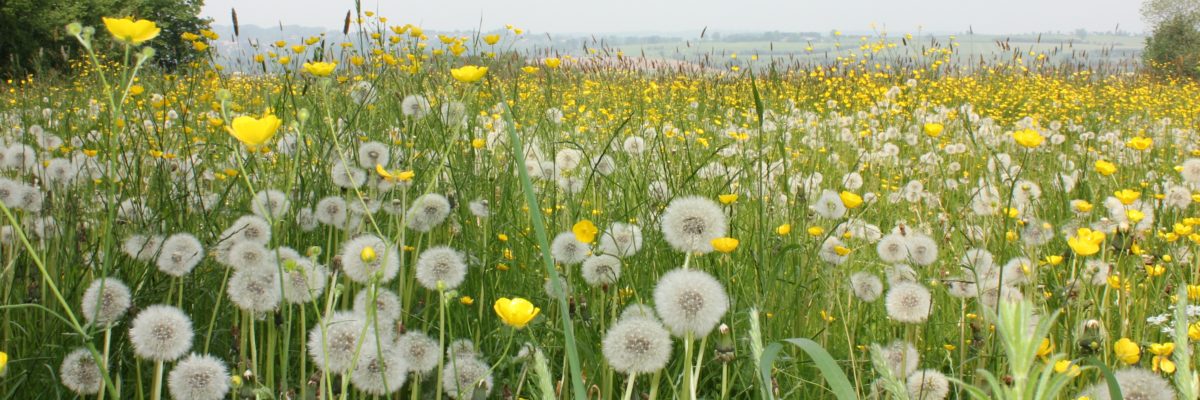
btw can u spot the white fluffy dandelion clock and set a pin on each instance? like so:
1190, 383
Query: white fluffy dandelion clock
271, 204
908, 302
689, 224
467, 378
637, 346
690, 301
380, 372
180, 253
928, 384
255, 289
368, 257
387, 306
601, 270
427, 212
568, 250
334, 343
441, 265
80, 373
421, 351
866, 286
105, 301
161, 333
199, 377
621, 240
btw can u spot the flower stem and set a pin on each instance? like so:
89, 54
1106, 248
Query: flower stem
629, 387
156, 386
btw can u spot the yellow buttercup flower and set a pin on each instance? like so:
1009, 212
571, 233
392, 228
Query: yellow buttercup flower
1067, 367
3, 362
783, 230
1105, 168
402, 176
850, 200
725, 244
1083, 206
727, 198
1139, 143
815, 231
552, 62
319, 68
1086, 241
585, 231
1127, 196
468, 73
933, 129
1127, 351
367, 254
1045, 348
253, 132
131, 31
841, 250
1162, 357
515, 312
1028, 137
529, 69
491, 39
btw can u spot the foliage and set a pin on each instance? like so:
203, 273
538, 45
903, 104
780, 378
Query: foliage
32, 35
1174, 47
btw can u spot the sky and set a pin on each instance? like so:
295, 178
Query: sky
648, 16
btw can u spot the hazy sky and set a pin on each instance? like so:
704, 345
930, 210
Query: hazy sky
617, 16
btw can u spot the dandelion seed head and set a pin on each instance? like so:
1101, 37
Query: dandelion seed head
387, 306
270, 203
1136, 384
866, 286
908, 302
637, 346
80, 373
373, 153
600, 270
380, 372
180, 254
689, 224
441, 264
900, 357
254, 289
304, 282
467, 378
332, 211
927, 384
421, 351
427, 212
690, 301
568, 250
385, 265
161, 333
333, 344
105, 301
621, 240
199, 377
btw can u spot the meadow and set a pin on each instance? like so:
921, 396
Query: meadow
390, 213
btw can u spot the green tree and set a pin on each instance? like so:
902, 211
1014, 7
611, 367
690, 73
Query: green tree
32, 35
1174, 47
1157, 12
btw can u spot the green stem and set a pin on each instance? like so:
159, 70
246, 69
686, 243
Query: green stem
629, 386
156, 385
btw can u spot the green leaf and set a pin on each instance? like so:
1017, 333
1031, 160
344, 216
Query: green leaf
834, 376
1114, 389
764, 367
